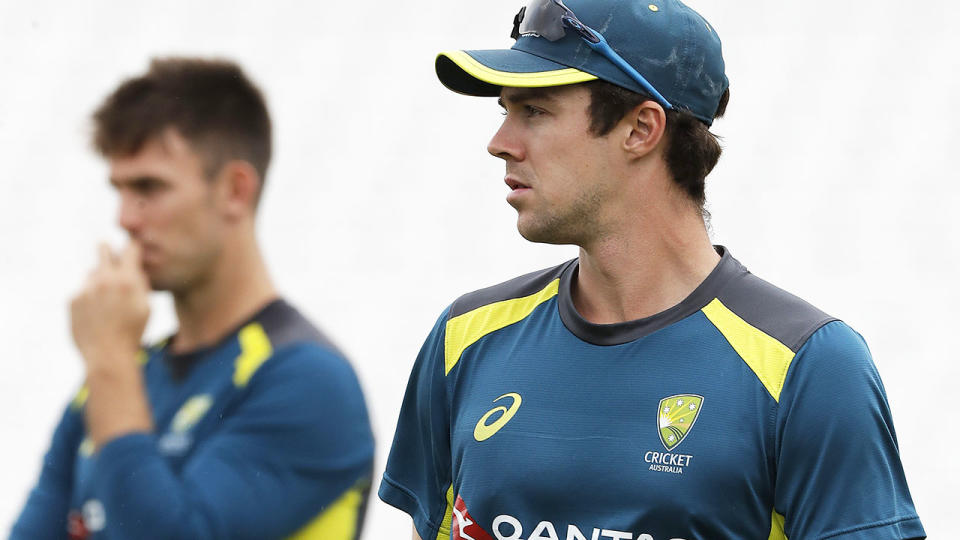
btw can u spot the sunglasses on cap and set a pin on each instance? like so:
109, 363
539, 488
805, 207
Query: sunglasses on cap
550, 20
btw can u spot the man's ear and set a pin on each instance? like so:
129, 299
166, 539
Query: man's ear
239, 186
645, 128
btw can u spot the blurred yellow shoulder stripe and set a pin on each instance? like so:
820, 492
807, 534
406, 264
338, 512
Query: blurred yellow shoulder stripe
255, 349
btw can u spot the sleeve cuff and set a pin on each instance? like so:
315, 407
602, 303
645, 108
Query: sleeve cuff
116, 454
891, 529
403, 499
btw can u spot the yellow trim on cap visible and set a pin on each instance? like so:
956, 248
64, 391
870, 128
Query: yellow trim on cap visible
465, 330
536, 79
768, 358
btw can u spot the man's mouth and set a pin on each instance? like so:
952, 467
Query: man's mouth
514, 184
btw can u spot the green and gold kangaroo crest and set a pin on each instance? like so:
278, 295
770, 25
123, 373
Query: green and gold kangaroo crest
676, 417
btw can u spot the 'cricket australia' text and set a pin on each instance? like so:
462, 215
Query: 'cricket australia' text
667, 462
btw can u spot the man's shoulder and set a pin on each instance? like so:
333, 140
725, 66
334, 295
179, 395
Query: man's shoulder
781, 315
527, 285
293, 345
284, 326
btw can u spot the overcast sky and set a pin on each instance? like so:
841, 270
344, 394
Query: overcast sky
838, 183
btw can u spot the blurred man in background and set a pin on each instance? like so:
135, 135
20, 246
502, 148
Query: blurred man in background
247, 422
653, 388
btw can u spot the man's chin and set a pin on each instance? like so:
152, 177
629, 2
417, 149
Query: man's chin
540, 233
159, 283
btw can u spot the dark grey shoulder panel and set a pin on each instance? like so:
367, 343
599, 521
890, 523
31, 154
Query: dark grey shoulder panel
285, 325
779, 314
518, 287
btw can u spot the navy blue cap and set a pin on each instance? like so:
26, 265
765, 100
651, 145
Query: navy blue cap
671, 45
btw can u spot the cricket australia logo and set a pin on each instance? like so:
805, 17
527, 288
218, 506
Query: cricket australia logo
675, 418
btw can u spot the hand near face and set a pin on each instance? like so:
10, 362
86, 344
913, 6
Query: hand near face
109, 314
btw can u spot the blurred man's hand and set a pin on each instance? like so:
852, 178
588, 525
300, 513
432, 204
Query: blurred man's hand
109, 314
107, 318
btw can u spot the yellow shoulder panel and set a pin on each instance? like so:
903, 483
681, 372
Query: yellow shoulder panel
444, 532
255, 348
464, 330
768, 358
337, 521
776, 528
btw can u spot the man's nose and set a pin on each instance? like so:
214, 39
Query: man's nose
130, 214
505, 144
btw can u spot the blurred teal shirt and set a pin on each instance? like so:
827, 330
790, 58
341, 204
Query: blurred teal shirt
263, 435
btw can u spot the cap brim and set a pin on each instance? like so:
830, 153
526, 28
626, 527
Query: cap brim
484, 73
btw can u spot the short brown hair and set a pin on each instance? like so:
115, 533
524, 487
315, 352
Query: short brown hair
211, 103
692, 150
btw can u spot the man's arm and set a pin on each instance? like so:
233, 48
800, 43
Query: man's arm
839, 473
107, 319
45, 513
296, 443
417, 479
415, 535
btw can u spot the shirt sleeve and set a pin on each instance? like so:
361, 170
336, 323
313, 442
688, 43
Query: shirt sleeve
298, 441
418, 478
839, 474
45, 513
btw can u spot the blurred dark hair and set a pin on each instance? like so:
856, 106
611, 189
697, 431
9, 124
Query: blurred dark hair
692, 150
211, 103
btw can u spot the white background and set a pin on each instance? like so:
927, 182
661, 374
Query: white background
838, 183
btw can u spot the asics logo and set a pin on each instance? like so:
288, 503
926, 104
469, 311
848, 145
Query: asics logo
484, 431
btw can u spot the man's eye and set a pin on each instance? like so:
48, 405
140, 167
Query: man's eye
532, 111
146, 188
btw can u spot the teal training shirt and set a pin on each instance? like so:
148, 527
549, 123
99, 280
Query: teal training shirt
743, 412
264, 435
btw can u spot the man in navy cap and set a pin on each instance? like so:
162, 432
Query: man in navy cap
651, 388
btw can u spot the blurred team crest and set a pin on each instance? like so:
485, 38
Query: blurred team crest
676, 417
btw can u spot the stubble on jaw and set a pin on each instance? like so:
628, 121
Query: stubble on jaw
577, 224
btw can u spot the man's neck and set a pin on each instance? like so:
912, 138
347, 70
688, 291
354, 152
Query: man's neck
645, 270
237, 289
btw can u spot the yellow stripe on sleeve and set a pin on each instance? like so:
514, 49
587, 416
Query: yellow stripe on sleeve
768, 358
338, 521
776, 527
443, 533
558, 77
255, 349
466, 329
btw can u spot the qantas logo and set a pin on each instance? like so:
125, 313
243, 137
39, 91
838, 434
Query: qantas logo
484, 431
507, 527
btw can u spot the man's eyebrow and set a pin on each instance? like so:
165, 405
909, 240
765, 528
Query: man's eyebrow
526, 94
144, 179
